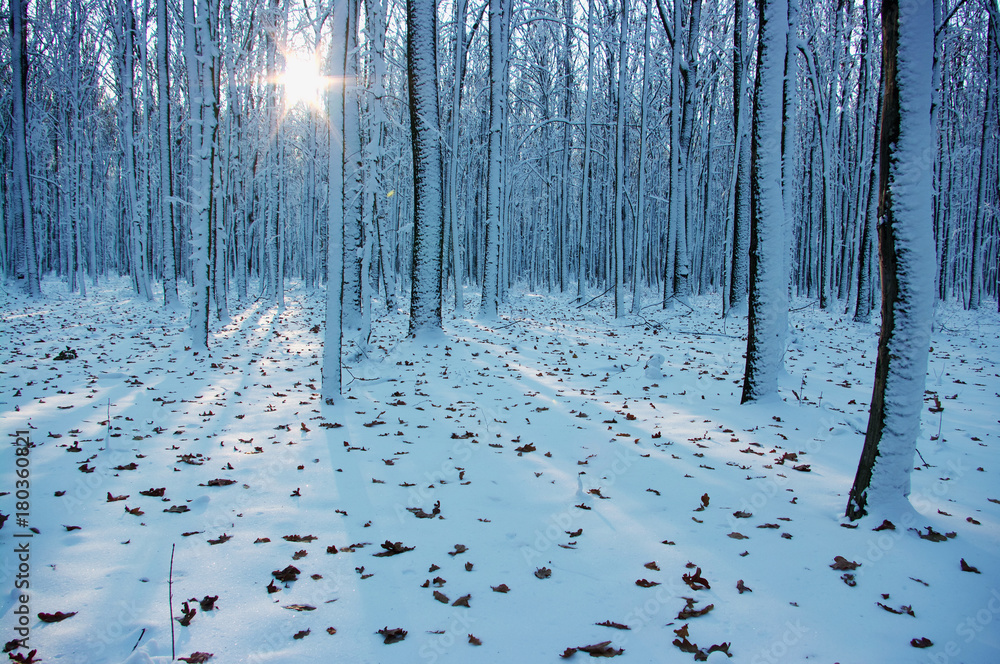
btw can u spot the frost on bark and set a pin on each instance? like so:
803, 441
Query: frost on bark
618, 223
906, 248
740, 273
768, 306
354, 233
985, 151
200, 56
428, 209
866, 250
456, 106
640, 217
333, 335
584, 225
166, 173
19, 56
494, 192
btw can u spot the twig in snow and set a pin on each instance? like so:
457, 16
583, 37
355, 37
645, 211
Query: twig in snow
141, 634
581, 306
170, 589
926, 465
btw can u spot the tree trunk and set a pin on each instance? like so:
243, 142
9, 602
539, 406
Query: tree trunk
640, 217
584, 225
199, 53
354, 235
740, 273
21, 180
865, 301
456, 107
170, 300
906, 247
488, 309
428, 210
618, 222
985, 151
768, 306
333, 334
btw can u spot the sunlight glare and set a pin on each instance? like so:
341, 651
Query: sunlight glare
302, 81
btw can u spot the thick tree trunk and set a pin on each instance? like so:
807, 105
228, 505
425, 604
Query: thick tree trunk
488, 309
21, 180
354, 236
199, 53
906, 247
768, 310
428, 199
333, 334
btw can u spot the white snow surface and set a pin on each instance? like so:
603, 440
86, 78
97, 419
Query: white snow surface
651, 469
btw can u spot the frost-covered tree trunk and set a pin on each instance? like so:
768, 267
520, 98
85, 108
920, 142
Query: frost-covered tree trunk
376, 159
740, 272
428, 199
354, 236
985, 151
866, 250
220, 237
565, 215
456, 107
200, 56
618, 223
640, 207
170, 300
768, 306
906, 248
333, 334
584, 225
488, 309
689, 85
271, 176
673, 270
789, 140
134, 192
19, 57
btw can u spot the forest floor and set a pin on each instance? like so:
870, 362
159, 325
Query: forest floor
532, 486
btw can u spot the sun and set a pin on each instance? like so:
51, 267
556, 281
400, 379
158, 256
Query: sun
302, 81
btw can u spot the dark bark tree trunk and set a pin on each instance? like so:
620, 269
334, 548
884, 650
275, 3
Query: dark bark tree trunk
906, 247
985, 150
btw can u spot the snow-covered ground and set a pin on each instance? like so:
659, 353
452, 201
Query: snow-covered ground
545, 456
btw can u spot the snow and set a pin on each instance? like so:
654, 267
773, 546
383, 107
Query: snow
449, 413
